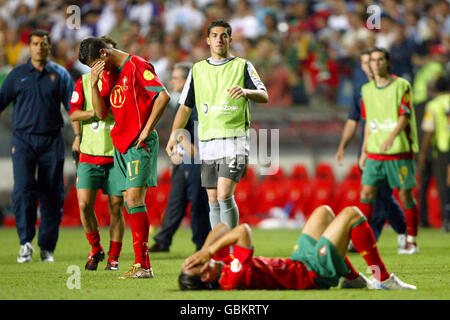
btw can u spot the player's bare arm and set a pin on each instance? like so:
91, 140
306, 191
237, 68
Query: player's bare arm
81, 115
402, 122
255, 95
158, 108
77, 132
240, 235
347, 136
101, 111
181, 118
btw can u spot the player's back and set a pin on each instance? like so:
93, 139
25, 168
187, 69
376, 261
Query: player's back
266, 273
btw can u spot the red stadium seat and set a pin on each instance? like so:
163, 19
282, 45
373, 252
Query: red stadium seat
71, 210
348, 190
298, 190
270, 192
244, 196
322, 188
434, 205
156, 198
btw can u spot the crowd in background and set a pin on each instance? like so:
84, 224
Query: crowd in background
304, 51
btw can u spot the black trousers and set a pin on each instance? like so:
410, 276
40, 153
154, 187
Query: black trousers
186, 187
38, 162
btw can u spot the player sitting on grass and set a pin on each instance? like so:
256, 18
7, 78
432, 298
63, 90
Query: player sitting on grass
318, 261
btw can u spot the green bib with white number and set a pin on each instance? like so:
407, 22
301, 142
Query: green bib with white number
96, 134
219, 115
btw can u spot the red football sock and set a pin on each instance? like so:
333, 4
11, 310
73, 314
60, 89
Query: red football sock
412, 219
114, 250
353, 274
366, 206
94, 241
140, 229
365, 243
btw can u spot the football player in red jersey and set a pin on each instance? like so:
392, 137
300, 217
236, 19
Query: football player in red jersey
137, 99
318, 261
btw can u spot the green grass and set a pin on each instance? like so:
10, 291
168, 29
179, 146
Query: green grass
429, 270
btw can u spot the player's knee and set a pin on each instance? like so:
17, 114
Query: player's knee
326, 212
352, 213
85, 207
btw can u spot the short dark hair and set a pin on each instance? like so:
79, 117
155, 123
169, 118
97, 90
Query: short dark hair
219, 23
109, 41
39, 33
387, 56
194, 282
364, 52
90, 49
184, 66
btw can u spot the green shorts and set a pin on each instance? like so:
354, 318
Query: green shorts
396, 173
138, 167
321, 257
95, 177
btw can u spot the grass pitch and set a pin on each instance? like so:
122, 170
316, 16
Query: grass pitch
429, 270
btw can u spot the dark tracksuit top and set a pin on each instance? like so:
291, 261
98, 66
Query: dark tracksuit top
37, 143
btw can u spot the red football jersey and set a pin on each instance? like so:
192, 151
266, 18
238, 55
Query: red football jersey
248, 272
132, 93
77, 103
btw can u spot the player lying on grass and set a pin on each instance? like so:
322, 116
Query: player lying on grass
318, 261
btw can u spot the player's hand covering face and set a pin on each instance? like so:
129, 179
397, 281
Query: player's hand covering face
199, 259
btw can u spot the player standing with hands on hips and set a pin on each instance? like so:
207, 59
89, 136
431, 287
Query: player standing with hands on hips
221, 88
137, 98
390, 141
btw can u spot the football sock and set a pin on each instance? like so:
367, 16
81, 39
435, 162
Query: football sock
114, 250
94, 241
353, 274
366, 206
214, 214
365, 243
229, 212
412, 221
140, 230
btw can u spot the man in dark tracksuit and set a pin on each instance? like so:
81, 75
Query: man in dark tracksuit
185, 186
37, 89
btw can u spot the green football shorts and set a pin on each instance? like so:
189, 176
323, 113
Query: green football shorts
396, 173
321, 257
138, 167
95, 177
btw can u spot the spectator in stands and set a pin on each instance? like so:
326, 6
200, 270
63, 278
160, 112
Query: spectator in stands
243, 21
402, 51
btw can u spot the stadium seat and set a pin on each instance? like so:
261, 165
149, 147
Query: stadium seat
270, 192
349, 189
298, 190
245, 195
71, 210
156, 198
434, 205
322, 188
